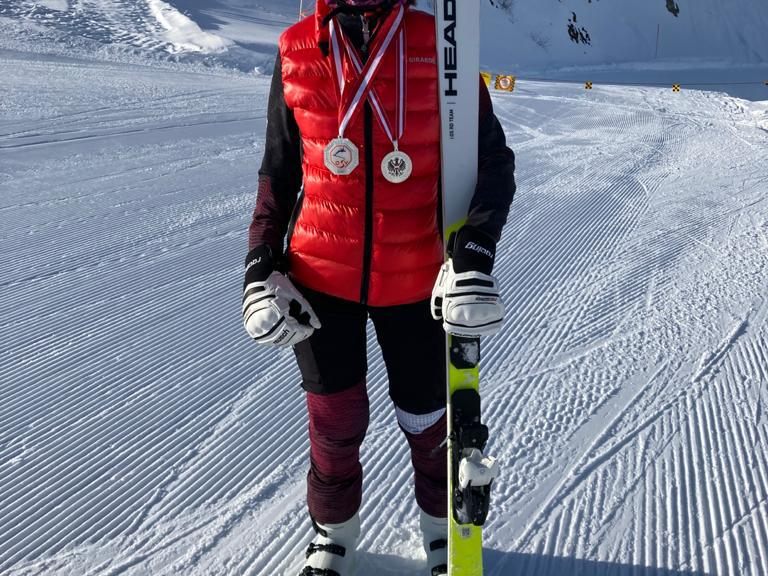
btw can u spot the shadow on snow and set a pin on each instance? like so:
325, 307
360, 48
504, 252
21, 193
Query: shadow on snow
499, 563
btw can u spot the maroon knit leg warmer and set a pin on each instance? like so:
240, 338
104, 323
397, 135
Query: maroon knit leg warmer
337, 426
430, 468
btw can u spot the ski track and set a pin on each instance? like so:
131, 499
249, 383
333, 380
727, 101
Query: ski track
142, 433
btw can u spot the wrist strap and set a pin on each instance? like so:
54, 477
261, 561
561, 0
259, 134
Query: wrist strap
259, 264
472, 251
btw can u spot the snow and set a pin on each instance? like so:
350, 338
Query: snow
184, 34
248, 22
61, 5
142, 432
524, 34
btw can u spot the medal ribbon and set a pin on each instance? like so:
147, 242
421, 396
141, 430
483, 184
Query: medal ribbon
362, 86
381, 114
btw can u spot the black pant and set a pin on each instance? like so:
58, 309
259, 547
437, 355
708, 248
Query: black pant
412, 343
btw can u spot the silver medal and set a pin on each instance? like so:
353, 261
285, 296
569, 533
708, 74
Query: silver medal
341, 156
397, 166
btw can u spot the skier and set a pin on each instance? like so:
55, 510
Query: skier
350, 174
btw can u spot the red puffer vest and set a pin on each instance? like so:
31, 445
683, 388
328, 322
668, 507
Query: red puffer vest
360, 237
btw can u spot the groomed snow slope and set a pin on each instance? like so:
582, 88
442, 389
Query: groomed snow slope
142, 432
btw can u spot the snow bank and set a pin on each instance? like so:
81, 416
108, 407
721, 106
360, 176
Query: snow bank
184, 34
760, 112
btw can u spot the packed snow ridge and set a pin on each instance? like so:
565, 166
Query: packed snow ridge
182, 33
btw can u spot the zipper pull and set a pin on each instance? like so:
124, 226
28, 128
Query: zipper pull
366, 34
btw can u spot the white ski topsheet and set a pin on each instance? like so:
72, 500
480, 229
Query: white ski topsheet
141, 432
458, 49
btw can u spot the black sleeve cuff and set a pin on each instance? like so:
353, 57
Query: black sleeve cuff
472, 250
259, 264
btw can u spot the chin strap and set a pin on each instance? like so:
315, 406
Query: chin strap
324, 16
378, 10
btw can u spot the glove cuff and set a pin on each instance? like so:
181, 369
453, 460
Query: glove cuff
259, 264
472, 251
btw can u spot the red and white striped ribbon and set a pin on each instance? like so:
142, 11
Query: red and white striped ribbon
362, 86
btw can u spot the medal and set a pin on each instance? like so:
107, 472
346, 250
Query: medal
397, 165
341, 156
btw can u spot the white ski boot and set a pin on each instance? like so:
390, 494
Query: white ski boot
435, 532
332, 552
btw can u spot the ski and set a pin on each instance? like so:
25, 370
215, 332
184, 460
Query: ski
469, 471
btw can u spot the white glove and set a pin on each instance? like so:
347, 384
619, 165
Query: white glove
275, 313
468, 303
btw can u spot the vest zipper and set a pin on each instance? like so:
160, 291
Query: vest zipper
366, 34
368, 242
